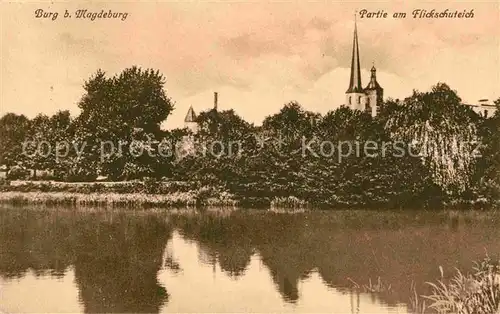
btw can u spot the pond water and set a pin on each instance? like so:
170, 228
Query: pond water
231, 261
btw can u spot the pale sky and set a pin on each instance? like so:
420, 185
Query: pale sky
257, 55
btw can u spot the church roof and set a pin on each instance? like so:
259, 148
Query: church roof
355, 81
373, 85
190, 116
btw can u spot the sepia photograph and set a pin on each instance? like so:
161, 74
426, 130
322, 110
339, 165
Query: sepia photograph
250, 156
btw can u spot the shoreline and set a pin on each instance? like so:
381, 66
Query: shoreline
179, 194
140, 200
192, 200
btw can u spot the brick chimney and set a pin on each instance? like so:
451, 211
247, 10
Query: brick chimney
215, 100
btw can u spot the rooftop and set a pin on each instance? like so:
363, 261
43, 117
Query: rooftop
190, 116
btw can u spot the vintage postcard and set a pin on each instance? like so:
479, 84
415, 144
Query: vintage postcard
250, 156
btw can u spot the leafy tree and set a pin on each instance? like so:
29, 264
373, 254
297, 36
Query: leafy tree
60, 137
223, 125
84, 157
344, 124
38, 149
13, 130
121, 110
215, 153
47, 142
387, 110
133, 99
292, 122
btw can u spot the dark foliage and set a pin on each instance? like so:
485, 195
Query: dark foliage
295, 154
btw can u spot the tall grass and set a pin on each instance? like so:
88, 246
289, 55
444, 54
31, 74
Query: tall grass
417, 304
478, 292
150, 193
475, 293
176, 199
288, 202
373, 287
146, 186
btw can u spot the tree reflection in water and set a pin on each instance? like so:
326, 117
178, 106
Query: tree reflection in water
117, 256
346, 246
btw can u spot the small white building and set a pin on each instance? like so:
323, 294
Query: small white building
484, 108
3, 171
190, 121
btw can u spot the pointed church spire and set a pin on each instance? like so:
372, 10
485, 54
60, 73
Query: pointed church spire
355, 82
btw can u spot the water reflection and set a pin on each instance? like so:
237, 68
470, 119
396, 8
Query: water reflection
115, 257
212, 289
230, 262
347, 247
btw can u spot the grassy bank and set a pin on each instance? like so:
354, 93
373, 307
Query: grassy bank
147, 194
177, 199
153, 193
174, 199
115, 194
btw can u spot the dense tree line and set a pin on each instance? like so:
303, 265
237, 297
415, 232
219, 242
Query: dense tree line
425, 149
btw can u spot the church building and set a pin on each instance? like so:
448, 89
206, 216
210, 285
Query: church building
367, 99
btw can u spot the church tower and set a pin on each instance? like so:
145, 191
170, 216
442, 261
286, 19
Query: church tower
374, 94
355, 94
367, 99
190, 120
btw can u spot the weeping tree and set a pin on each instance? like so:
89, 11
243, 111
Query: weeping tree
442, 131
487, 175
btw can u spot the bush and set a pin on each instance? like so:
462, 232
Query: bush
18, 173
151, 185
45, 176
4, 182
82, 176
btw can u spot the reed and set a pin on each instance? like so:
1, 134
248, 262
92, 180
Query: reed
377, 286
478, 292
372, 287
417, 304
